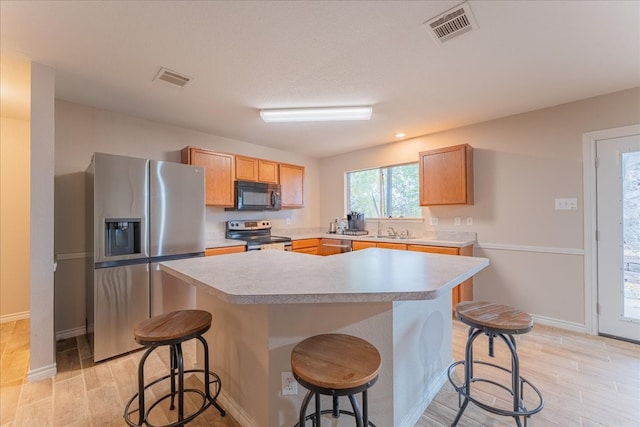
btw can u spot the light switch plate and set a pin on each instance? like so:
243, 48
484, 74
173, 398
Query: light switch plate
570, 204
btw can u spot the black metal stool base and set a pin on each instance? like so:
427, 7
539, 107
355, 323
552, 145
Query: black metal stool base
516, 389
335, 411
177, 372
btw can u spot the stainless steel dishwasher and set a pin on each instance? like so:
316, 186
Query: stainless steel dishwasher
334, 246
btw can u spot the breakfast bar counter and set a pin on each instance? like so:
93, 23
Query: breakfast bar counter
265, 302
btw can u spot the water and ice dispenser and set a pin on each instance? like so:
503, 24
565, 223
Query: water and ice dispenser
122, 236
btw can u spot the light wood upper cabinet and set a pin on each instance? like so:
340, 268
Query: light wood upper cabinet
218, 174
446, 176
292, 185
251, 169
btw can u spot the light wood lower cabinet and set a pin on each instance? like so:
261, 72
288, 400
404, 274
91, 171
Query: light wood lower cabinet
306, 246
225, 250
462, 292
356, 245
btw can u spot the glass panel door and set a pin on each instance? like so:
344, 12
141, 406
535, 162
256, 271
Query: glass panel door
618, 218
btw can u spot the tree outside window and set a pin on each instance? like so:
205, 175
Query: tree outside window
389, 192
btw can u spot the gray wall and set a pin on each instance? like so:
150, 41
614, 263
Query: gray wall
81, 131
522, 163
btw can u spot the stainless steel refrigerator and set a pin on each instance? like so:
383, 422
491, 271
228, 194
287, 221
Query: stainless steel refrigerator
139, 212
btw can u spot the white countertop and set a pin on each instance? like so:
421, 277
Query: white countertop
448, 239
370, 275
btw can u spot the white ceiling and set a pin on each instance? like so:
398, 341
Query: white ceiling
244, 56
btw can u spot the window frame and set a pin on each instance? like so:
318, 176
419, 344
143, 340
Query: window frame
382, 208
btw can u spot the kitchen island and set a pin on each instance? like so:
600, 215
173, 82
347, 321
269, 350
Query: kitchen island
265, 302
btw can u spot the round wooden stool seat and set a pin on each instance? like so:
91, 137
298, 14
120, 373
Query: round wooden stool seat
173, 327
494, 317
335, 365
494, 321
335, 361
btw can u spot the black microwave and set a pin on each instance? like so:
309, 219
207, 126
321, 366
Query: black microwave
256, 196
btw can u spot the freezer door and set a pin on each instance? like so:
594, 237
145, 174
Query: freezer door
121, 300
177, 210
168, 293
120, 195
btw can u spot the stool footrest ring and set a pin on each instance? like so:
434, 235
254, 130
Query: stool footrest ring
330, 411
207, 400
522, 412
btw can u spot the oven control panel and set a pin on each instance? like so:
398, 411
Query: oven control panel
262, 224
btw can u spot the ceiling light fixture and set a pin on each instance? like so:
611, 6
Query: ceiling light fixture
320, 114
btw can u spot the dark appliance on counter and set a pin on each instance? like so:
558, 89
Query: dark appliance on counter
257, 234
355, 224
139, 213
256, 196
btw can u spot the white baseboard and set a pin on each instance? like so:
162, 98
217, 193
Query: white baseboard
414, 415
42, 373
70, 333
562, 324
14, 316
236, 411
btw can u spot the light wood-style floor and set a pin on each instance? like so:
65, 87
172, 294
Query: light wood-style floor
586, 381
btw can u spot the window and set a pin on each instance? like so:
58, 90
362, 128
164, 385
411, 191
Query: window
385, 192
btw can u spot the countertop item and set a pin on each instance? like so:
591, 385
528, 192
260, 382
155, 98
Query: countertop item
371, 275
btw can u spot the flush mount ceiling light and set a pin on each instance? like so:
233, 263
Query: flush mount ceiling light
321, 114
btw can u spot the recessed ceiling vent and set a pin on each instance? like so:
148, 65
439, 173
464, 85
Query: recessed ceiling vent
452, 23
172, 77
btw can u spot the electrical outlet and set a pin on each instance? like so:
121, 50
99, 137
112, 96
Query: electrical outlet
434, 220
469, 220
289, 384
456, 220
288, 221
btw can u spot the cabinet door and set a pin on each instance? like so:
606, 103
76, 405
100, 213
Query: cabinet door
218, 174
434, 249
225, 250
267, 171
399, 246
292, 185
305, 243
246, 168
312, 250
356, 245
446, 176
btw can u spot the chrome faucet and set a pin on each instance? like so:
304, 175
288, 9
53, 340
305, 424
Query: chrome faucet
392, 232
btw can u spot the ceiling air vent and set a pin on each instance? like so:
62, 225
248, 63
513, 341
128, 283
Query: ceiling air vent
452, 23
172, 77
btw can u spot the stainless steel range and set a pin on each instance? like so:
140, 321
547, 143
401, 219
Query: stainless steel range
257, 234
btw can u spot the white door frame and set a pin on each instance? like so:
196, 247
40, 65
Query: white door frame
589, 140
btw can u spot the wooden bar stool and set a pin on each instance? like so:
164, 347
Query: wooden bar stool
502, 321
173, 329
335, 365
